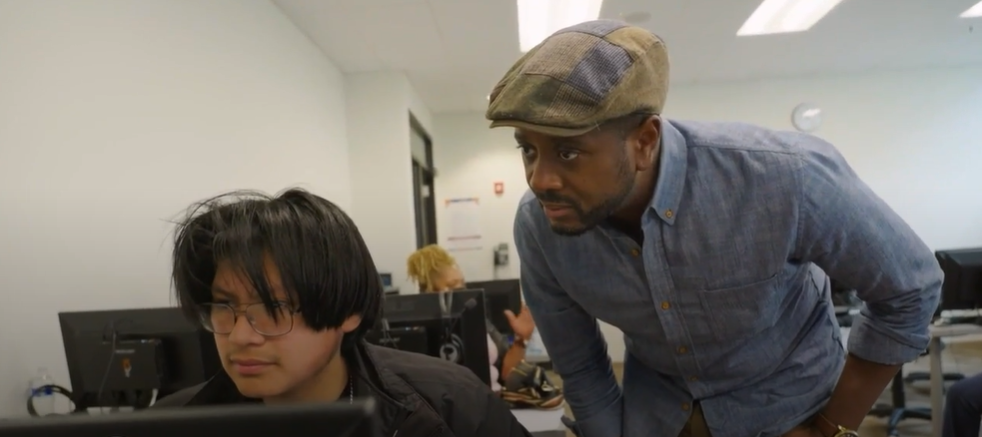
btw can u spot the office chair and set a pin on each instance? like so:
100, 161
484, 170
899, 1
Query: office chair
926, 376
947, 376
898, 409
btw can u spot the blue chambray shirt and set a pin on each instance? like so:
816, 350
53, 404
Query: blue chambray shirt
727, 302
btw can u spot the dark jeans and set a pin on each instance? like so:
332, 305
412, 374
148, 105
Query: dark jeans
963, 408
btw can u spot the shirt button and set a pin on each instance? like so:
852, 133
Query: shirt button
685, 406
693, 379
665, 305
669, 213
682, 349
635, 252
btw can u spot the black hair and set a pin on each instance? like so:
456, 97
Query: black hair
323, 261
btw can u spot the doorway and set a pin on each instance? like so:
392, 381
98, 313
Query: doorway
423, 187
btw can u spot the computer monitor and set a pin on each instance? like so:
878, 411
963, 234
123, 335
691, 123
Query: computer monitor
962, 288
387, 284
454, 325
338, 419
122, 358
406, 338
500, 295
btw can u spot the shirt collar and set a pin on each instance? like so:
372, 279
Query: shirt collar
671, 173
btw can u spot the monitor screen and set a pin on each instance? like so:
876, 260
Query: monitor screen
962, 288
451, 326
118, 358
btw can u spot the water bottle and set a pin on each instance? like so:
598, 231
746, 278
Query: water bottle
43, 399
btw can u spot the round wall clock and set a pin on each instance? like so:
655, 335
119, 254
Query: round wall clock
806, 117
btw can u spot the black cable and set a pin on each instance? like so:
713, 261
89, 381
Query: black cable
386, 332
447, 325
114, 333
109, 366
455, 318
450, 321
387, 335
55, 389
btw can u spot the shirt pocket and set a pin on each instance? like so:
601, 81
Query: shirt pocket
738, 313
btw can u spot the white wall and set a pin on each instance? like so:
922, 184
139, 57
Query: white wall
114, 116
913, 136
378, 108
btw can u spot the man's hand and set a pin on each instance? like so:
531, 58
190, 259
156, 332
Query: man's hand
522, 324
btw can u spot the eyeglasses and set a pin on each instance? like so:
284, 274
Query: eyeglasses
220, 318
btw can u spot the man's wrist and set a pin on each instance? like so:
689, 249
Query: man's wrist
829, 428
824, 426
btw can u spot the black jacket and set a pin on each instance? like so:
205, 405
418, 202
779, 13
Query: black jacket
416, 396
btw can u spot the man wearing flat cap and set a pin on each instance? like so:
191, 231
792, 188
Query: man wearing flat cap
710, 245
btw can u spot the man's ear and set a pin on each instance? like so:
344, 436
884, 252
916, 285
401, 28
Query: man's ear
648, 142
351, 323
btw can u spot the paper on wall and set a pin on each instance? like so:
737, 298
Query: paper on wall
464, 215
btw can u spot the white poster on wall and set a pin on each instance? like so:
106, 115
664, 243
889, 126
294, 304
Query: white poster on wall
464, 215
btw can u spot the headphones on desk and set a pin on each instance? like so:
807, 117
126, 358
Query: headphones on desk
452, 348
53, 389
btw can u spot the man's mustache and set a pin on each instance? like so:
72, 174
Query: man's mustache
556, 199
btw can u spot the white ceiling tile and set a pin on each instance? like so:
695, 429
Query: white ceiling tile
466, 84
341, 31
478, 32
455, 50
365, 3
405, 36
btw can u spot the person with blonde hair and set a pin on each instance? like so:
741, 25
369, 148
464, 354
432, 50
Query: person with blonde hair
525, 385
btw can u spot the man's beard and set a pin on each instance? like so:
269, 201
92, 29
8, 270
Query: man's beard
589, 219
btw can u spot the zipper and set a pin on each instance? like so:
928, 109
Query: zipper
399, 420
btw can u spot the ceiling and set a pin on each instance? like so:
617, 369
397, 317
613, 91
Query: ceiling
453, 51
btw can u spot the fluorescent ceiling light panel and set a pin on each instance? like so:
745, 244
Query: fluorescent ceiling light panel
537, 19
784, 16
973, 12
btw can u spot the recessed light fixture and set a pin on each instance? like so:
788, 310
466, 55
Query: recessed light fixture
784, 16
973, 12
537, 19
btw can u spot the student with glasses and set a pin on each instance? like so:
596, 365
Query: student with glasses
288, 287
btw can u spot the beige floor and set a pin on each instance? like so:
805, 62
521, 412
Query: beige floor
965, 356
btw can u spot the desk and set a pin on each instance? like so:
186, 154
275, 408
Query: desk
542, 423
937, 374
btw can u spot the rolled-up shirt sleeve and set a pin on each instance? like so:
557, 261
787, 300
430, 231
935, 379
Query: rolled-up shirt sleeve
573, 340
852, 234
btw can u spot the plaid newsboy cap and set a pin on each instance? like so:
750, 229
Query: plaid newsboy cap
582, 76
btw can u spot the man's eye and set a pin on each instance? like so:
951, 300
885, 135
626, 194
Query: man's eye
568, 155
